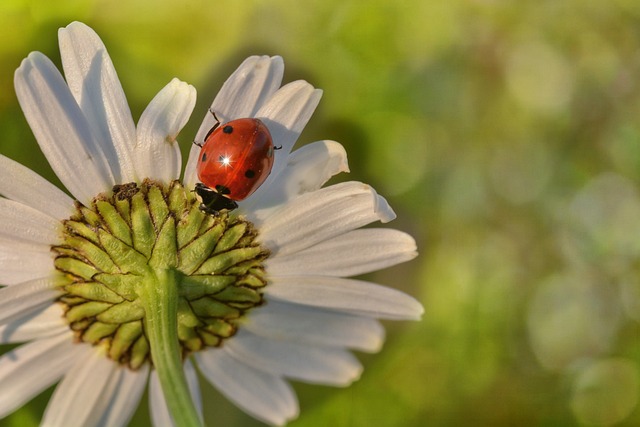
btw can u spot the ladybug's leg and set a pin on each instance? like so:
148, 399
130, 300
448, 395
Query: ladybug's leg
213, 113
214, 126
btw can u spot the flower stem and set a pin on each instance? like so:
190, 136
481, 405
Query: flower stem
160, 300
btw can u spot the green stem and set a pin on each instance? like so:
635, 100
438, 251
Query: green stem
160, 300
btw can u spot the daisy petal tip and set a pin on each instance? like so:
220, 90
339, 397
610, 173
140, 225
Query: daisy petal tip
352, 376
28, 62
62, 31
182, 88
34, 67
176, 102
304, 88
382, 208
376, 341
255, 63
275, 61
414, 310
79, 36
280, 419
376, 346
338, 153
78, 26
350, 373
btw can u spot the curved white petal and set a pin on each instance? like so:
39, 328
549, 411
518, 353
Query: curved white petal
304, 324
23, 223
25, 298
317, 216
27, 370
43, 323
307, 169
286, 113
262, 395
156, 153
160, 415
83, 393
18, 265
21, 244
349, 295
382, 209
21, 184
128, 387
61, 129
96, 88
241, 95
350, 254
313, 364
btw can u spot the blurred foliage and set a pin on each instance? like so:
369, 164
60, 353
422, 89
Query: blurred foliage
507, 136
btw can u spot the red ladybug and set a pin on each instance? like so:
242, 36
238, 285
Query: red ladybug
235, 160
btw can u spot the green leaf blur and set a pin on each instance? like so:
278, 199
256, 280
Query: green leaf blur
506, 134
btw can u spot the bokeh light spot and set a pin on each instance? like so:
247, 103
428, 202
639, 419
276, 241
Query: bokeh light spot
605, 392
539, 77
573, 316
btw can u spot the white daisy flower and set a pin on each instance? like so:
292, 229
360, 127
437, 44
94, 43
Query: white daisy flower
127, 281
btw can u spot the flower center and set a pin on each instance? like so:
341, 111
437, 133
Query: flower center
125, 238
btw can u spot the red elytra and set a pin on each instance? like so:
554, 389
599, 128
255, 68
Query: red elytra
236, 158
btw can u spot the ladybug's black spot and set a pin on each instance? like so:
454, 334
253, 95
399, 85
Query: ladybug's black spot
250, 173
204, 157
227, 129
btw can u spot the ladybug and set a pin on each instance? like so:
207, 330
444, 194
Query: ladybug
236, 158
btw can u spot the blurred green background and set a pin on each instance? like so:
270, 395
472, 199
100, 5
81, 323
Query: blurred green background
506, 134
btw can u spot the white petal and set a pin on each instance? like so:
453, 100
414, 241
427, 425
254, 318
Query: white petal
242, 95
61, 129
349, 295
21, 244
318, 216
350, 254
313, 364
245, 91
383, 209
18, 265
307, 169
25, 298
21, 222
293, 322
157, 153
125, 397
158, 406
27, 370
262, 395
286, 114
83, 393
43, 323
96, 88
21, 184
